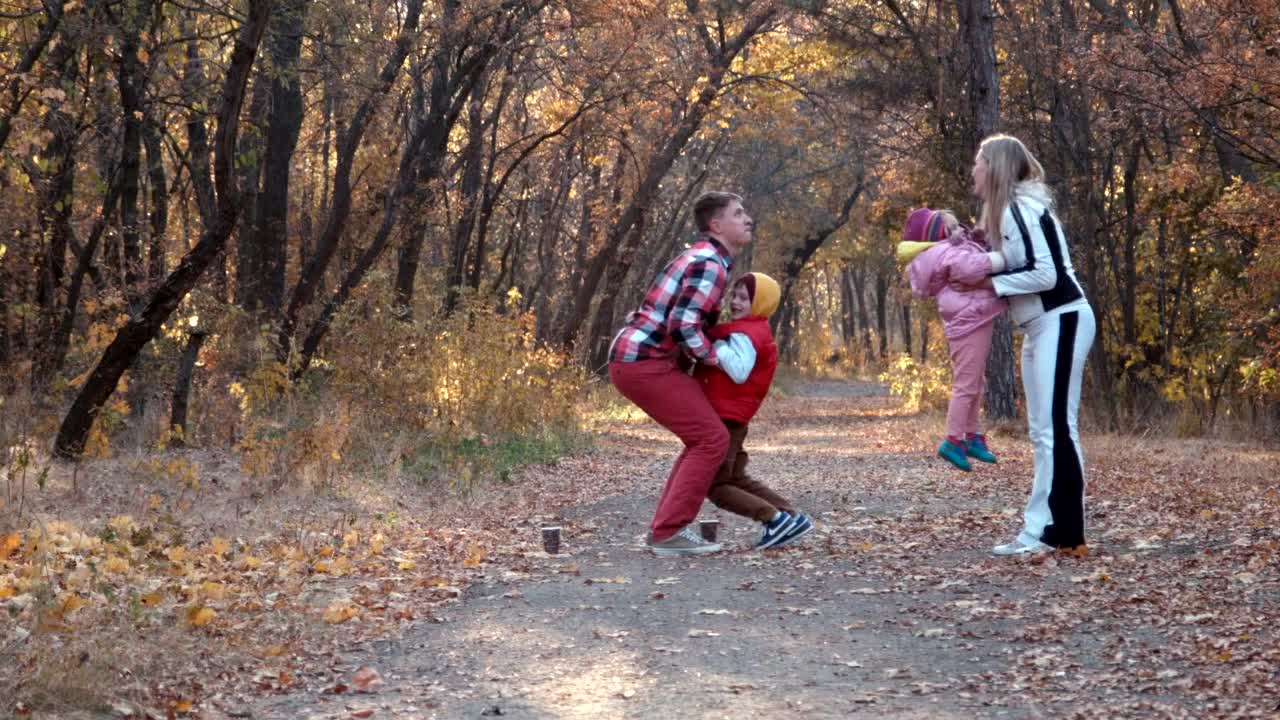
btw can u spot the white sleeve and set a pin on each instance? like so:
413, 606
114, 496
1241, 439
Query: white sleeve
737, 356
1037, 274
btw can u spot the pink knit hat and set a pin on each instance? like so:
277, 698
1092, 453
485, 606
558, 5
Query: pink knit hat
924, 225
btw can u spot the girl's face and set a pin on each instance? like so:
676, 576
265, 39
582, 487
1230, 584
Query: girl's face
739, 302
979, 175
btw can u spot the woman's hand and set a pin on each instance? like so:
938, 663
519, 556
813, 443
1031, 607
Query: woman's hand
961, 286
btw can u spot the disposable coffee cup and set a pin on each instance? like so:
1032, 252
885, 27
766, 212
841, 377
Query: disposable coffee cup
551, 539
710, 529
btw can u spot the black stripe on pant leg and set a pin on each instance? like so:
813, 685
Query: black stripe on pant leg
1066, 491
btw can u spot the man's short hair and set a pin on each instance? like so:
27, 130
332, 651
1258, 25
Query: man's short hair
709, 204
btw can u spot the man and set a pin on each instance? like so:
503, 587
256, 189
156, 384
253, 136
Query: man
646, 358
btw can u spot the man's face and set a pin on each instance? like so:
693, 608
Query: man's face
732, 226
740, 302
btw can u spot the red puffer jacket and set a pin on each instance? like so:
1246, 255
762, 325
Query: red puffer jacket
731, 400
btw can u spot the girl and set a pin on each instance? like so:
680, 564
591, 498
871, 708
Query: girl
946, 253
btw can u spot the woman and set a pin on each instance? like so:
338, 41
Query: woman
1032, 268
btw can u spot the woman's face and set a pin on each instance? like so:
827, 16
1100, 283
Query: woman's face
979, 175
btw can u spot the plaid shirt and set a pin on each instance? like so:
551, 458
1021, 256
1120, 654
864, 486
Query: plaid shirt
678, 306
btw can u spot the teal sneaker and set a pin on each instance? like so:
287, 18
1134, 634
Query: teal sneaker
975, 446
954, 454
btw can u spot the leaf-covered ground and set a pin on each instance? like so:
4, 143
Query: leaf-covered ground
893, 608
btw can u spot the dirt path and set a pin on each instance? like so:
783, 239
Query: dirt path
892, 609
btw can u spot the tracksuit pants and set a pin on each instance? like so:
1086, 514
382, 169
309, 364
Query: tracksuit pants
1053, 355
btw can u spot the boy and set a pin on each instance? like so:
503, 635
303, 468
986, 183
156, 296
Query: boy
748, 357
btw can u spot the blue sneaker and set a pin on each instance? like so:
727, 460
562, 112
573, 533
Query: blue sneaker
975, 446
802, 526
776, 529
954, 454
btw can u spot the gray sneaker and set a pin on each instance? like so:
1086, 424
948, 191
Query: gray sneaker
1017, 547
685, 542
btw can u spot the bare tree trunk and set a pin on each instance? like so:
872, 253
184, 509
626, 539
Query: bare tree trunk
882, 309
139, 330
284, 121
159, 185
130, 82
472, 177
182, 387
249, 252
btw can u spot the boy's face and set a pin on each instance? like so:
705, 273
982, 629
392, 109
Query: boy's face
739, 302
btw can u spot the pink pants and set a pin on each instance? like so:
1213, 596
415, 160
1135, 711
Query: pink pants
968, 378
677, 402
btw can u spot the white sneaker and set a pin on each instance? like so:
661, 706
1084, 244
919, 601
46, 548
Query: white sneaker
1017, 547
685, 542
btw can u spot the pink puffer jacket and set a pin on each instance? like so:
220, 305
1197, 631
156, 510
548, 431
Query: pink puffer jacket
961, 258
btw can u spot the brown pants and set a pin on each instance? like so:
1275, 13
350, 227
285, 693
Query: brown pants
735, 491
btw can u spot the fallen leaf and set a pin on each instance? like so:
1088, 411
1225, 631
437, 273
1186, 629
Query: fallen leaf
366, 680
339, 612
476, 555
199, 616
9, 544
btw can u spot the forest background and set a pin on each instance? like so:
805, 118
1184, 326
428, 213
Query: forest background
393, 239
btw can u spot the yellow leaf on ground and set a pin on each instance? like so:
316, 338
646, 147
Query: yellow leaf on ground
326, 551
70, 603
341, 566
274, 651
9, 544
7, 591
199, 616
376, 543
475, 555
320, 566
182, 706
249, 562
176, 554
340, 612
116, 565
152, 598
408, 564
122, 524
219, 546
351, 539
213, 590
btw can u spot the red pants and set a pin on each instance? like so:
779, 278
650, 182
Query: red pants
677, 403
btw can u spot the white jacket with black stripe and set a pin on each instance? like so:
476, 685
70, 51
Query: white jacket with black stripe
1033, 266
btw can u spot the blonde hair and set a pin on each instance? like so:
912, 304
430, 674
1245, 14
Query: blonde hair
1011, 168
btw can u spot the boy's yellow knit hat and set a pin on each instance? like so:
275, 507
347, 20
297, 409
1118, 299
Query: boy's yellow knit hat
764, 293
